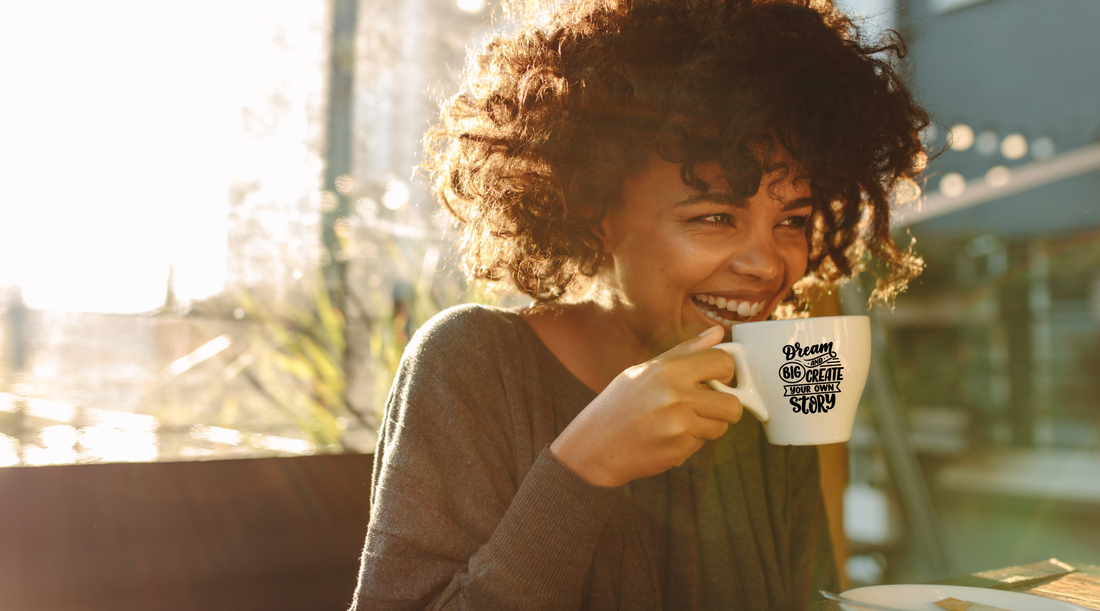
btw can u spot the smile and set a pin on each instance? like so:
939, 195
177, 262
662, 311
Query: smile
727, 312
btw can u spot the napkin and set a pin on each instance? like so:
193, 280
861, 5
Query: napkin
1077, 588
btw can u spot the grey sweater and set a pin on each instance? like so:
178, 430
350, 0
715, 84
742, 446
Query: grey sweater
470, 510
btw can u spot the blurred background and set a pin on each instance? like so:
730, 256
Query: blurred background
214, 244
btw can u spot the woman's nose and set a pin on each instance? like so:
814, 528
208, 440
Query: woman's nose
757, 255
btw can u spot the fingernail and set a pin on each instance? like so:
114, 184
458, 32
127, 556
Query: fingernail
708, 330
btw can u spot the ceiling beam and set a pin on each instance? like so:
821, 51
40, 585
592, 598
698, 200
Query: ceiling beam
1024, 178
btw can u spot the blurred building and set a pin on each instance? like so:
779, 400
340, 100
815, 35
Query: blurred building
995, 351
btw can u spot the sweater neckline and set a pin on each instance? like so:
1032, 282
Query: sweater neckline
558, 371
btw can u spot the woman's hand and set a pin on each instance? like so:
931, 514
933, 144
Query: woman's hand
652, 417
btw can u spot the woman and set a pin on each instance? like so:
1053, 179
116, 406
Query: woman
650, 173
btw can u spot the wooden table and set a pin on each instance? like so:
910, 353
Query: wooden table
1073, 582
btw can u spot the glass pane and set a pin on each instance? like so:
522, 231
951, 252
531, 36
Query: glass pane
163, 198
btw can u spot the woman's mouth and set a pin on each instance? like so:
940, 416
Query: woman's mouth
727, 312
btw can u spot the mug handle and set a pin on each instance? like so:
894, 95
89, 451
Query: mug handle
745, 390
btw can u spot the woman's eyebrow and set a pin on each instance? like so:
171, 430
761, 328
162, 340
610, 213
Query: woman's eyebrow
730, 200
717, 198
802, 202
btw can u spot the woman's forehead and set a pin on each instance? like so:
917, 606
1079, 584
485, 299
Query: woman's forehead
786, 183
718, 176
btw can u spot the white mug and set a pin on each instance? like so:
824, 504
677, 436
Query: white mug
802, 378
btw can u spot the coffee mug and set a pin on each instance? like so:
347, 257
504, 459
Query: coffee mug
802, 378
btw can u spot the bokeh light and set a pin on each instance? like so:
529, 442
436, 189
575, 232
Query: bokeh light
342, 227
906, 193
345, 184
952, 184
920, 162
366, 207
472, 7
998, 176
1014, 146
325, 201
396, 195
961, 137
987, 142
1042, 147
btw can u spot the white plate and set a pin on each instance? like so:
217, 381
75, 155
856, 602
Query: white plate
922, 597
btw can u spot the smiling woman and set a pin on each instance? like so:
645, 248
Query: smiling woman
651, 173
669, 249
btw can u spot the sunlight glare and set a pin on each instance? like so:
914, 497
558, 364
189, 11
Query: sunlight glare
217, 434
9, 455
57, 447
116, 436
120, 163
281, 444
51, 410
104, 442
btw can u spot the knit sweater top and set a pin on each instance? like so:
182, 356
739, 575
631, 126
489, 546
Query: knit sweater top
471, 510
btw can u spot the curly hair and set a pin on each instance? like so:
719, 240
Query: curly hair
533, 152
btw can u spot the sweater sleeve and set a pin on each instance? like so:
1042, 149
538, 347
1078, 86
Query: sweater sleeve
454, 525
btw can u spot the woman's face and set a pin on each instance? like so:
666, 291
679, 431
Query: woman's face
680, 260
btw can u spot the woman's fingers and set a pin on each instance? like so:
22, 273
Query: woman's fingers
699, 366
709, 428
693, 362
716, 405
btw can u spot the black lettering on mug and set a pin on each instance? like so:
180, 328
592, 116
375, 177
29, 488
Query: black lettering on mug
812, 377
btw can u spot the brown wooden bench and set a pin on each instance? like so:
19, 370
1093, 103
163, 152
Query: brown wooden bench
271, 533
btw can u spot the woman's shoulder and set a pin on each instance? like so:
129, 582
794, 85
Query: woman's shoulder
471, 331
463, 323
469, 316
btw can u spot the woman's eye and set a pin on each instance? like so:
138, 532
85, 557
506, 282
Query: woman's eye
796, 222
716, 219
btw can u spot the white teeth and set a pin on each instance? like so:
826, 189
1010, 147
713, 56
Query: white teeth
717, 318
742, 309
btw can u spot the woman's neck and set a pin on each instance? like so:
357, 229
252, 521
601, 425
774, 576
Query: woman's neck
590, 339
